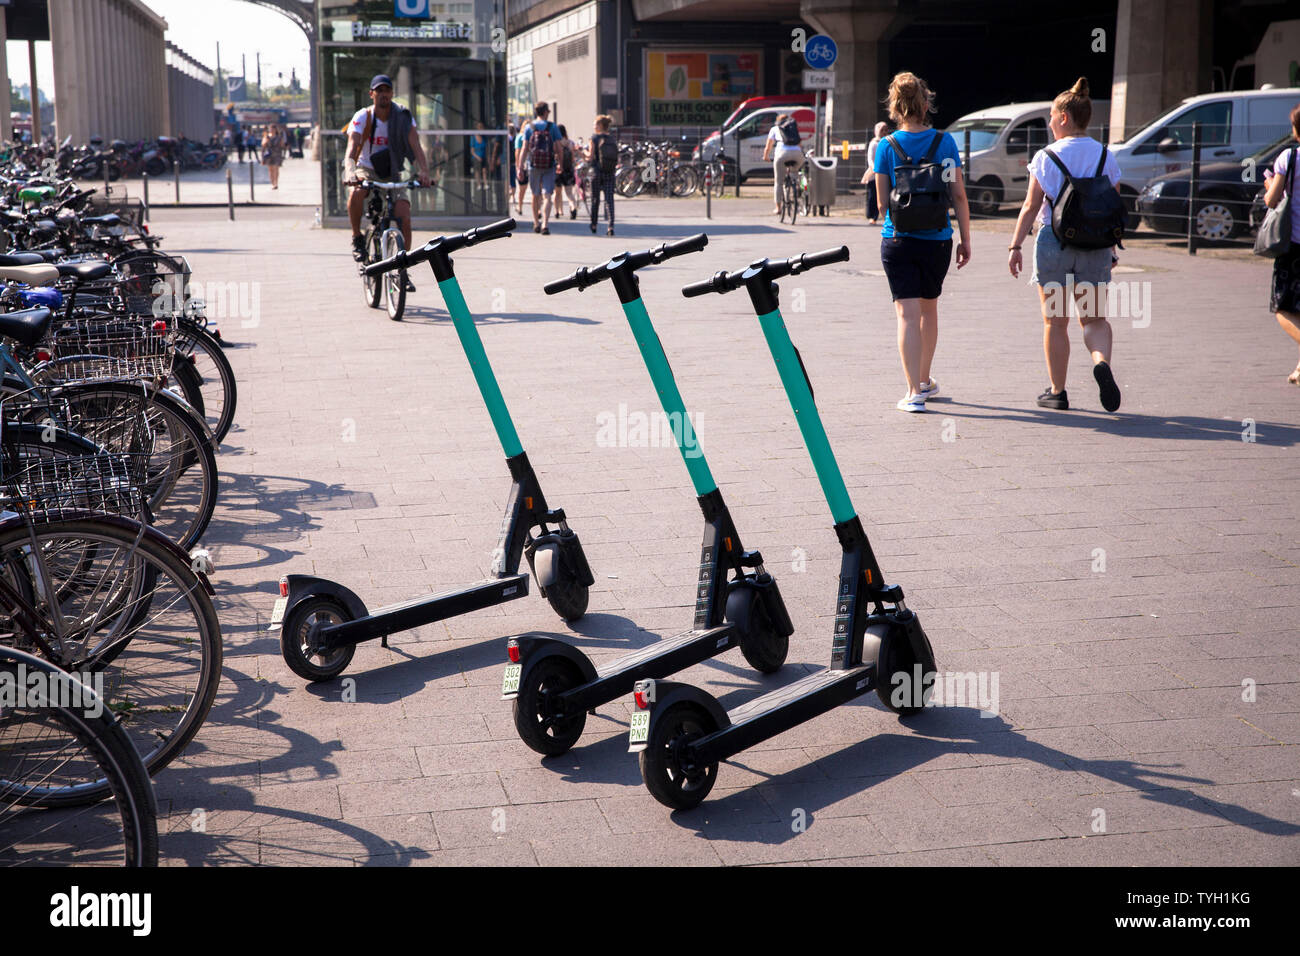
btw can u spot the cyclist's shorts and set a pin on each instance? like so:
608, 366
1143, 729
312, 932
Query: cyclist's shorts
399, 195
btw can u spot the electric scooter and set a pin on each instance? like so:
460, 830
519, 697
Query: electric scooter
682, 732
553, 684
322, 622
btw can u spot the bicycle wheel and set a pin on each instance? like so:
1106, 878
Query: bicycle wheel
215, 377
373, 287
789, 200
47, 751
684, 181
177, 468
394, 281
119, 602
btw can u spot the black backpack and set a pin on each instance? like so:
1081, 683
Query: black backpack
789, 131
606, 153
1088, 212
919, 200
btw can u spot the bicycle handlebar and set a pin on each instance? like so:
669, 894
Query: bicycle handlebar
766, 270
445, 244
584, 277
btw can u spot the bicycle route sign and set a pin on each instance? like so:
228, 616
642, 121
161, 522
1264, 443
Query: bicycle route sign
820, 52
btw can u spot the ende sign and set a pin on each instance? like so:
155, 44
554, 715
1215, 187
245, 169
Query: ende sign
819, 79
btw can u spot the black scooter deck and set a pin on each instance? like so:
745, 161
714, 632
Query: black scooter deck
658, 660
779, 710
426, 610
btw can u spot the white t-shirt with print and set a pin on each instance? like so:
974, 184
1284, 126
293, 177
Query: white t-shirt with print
381, 135
1280, 166
783, 149
1080, 155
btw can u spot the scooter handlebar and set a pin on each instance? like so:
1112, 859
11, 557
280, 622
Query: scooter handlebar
719, 282
403, 260
811, 260
493, 230
448, 244
584, 277
578, 280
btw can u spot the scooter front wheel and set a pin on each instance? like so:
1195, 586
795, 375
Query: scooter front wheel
672, 780
536, 720
896, 673
298, 639
567, 596
763, 646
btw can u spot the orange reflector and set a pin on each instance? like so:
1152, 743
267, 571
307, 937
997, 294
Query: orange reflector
727, 542
868, 574
528, 503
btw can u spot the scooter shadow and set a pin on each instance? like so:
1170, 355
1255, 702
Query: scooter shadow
856, 768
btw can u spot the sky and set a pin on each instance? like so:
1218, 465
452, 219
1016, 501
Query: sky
239, 26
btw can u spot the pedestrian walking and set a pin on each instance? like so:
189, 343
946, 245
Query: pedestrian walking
273, 146
602, 155
539, 154
919, 170
1285, 297
520, 162
1068, 270
565, 178
869, 177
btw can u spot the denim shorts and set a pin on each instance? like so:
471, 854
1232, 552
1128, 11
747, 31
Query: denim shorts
1053, 262
541, 181
915, 267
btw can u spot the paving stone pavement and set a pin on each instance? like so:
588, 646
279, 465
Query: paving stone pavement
1131, 580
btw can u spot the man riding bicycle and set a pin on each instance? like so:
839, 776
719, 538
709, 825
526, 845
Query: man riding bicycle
784, 136
380, 138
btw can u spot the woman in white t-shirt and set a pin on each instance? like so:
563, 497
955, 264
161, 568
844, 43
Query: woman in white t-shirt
1062, 270
1285, 298
785, 152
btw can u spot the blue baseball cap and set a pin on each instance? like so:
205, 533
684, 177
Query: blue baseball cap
380, 80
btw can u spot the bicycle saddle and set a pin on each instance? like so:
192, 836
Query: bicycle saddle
32, 275
84, 271
27, 326
21, 259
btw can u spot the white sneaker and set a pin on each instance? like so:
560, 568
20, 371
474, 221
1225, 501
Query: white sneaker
929, 389
911, 403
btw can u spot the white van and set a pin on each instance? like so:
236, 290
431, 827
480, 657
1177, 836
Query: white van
1233, 126
1003, 139
752, 133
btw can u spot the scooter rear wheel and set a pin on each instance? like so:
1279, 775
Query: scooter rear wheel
535, 718
297, 640
672, 784
763, 646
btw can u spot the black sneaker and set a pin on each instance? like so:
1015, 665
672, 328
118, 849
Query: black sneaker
546, 230
573, 213
1051, 399
537, 227
593, 228
410, 286
609, 231
359, 248
1106, 385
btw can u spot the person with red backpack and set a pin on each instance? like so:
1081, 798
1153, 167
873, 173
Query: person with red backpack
1078, 226
539, 157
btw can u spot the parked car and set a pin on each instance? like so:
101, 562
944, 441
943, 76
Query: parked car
1224, 195
751, 132
1003, 139
1233, 127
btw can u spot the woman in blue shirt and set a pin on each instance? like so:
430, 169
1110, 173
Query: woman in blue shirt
917, 262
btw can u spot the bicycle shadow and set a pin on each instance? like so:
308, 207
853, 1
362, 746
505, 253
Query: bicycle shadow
1138, 425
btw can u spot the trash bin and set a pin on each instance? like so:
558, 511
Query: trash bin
821, 180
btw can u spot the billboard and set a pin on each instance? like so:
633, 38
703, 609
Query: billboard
698, 87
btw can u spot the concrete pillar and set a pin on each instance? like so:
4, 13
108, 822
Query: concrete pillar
35, 95
861, 30
6, 129
1155, 64
65, 43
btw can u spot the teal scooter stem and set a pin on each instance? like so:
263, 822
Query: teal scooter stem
877, 643
737, 603
321, 621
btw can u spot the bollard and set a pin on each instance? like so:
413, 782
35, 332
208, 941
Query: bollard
144, 186
176, 181
708, 191
1192, 183
251, 197
230, 194
108, 190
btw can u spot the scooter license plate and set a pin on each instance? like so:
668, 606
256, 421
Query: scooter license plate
639, 732
510, 684
277, 612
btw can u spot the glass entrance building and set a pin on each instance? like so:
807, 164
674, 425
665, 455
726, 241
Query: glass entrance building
447, 59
